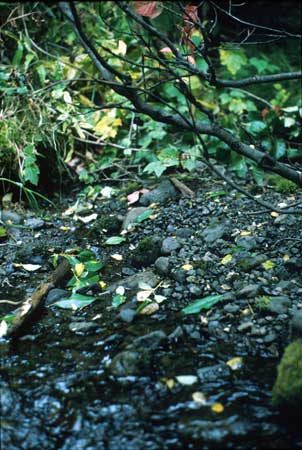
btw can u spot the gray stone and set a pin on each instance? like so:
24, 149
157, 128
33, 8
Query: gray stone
54, 295
162, 193
10, 217
132, 216
162, 265
149, 341
295, 325
125, 363
247, 242
195, 290
127, 314
245, 326
169, 245
249, 291
212, 233
34, 223
231, 308
82, 327
279, 305
132, 282
184, 233
214, 373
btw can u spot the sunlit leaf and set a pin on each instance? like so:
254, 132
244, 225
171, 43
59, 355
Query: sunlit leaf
115, 240
148, 9
235, 363
202, 303
217, 407
268, 265
76, 301
226, 259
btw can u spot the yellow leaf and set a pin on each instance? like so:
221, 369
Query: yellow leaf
286, 257
79, 269
235, 363
117, 122
274, 214
217, 407
169, 382
117, 257
85, 101
245, 233
267, 265
187, 267
226, 259
102, 284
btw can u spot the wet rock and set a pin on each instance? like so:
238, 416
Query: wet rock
82, 327
54, 295
250, 262
270, 337
149, 341
279, 305
146, 252
295, 325
247, 242
245, 326
176, 334
34, 223
110, 223
294, 264
169, 245
132, 282
179, 275
287, 390
132, 216
231, 308
125, 363
10, 217
127, 314
162, 193
212, 233
162, 265
195, 290
249, 291
214, 373
184, 233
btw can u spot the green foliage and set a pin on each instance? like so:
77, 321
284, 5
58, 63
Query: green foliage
51, 102
263, 301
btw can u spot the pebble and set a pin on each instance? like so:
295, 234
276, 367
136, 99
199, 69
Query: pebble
169, 245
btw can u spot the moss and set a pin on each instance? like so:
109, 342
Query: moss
263, 302
146, 244
283, 185
147, 252
131, 187
287, 391
109, 223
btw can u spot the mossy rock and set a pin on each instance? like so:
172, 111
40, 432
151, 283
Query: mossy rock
147, 252
287, 391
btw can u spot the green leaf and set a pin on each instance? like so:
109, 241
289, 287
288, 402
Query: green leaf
8, 318
155, 167
280, 149
202, 303
233, 60
76, 301
42, 74
18, 55
3, 232
256, 127
93, 266
86, 255
84, 282
145, 215
118, 300
216, 194
115, 240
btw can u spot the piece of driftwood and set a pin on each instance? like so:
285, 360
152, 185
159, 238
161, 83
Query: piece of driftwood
187, 192
32, 303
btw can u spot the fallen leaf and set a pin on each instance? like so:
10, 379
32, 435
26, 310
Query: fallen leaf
88, 219
235, 363
117, 257
115, 240
187, 267
202, 303
120, 290
107, 191
159, 298
149, 309
29, 267
274, 214
186, 380
199, 397
286, 257
267, 265
102, 284
245, 233
141, 296
226, 259
79, 269
170, 382
217, 407
3, 328
134, 196
148, 9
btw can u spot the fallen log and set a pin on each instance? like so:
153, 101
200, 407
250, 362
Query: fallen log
32, 303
